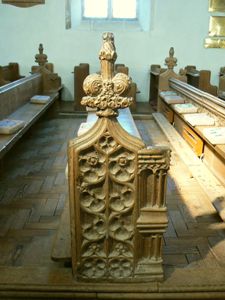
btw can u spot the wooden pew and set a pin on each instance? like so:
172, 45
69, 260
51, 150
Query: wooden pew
204, 133
221, 87
155, 71
192, 75
212, 154
51, 82
117, 206
9, 73
204, 82
80, 73
200, 79
163, 84
15, 104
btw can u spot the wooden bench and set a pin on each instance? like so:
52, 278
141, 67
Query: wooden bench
9, 73
80, 73
51, 82
212, 187
201, 80
15, 101
15, 105
155, 71
213, 155
163, 82
221, 87
159, 77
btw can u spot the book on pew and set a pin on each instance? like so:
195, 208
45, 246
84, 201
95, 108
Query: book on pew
199, 119
167, 93
185, 108
8, 126
174, 99
215, 135
40, 99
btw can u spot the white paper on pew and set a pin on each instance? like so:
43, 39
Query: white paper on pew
215, 135
9, 126
199, 119
167, 93
40, 99
174, 99
185, 108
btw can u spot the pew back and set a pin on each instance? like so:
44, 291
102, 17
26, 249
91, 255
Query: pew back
9, 73
15, 94
15, 105
80, 73
200, 79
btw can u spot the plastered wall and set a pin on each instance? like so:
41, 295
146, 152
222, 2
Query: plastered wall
179, 23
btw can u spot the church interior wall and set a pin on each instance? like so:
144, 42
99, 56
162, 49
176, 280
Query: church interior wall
178, 23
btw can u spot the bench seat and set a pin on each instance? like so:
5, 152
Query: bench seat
29, 113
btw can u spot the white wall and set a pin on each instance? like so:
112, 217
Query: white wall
179, 23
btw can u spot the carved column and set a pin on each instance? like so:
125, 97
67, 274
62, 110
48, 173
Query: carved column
153, 165
109, 174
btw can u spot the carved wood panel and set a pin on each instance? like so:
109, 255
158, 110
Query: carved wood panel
116, 188
107, 204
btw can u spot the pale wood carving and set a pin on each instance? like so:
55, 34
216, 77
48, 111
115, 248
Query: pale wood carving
23, 3
51, 80
133, 90
116, 188
82, 71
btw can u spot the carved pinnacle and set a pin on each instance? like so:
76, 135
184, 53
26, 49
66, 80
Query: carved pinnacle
104, 90
171, 61
41, 58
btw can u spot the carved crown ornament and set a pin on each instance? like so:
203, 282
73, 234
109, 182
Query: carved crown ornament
105, 91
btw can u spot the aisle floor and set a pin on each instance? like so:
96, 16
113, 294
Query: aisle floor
33, 189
